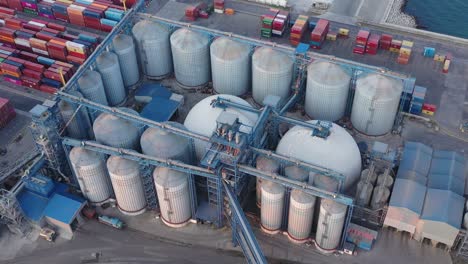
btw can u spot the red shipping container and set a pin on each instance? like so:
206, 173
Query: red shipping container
32, 73
34, 66
47, 89
56, 26
373, 41
429, 107
387, 37
30, 82
363, 35
15, 4
7, 11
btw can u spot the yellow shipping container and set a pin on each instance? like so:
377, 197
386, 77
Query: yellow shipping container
446, 65
427, 112
343, 31
439, 57
331, 37
405, 51
394, 50
407, 43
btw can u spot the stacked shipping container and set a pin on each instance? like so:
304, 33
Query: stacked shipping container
298, 30
417, 101
219, 6
319, 34
405, 52
7, 112
280, 22
373, 44
267, 23
361, 41
385, 41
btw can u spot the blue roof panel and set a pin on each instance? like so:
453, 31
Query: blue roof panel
408, 194
160, 109
62, 208
447, 172
32, 204
153, 90
416, 157
443, 206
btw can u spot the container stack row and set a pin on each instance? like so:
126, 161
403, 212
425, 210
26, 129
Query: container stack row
100, 15
319, 34
267, 23
298, 30
405, 52
7, 112
385, 41
373, 44
417, 100
280, 23
361, 42
219, 6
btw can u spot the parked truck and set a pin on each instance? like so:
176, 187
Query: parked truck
111, 221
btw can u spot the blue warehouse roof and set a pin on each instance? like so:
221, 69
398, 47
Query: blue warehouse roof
408, 194
416, 157
32, 204
160, 109
62, 208
443, 206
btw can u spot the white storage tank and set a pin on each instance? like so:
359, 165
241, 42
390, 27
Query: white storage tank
301, 214
368, 175
363, 193
116, 132
128, 186
108, 65
267, 165
385, 180
327, 91
91, 172
202, 119
326, 183
380, 197
272, 207
160, 143
191, 54
154, 48
124, 47
173, 196
92, 87
375, 104
330, 224
338, 152
230, 64
272, 73
80, 125
296, 173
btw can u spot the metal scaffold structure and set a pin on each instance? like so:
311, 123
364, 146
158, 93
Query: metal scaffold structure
228, 163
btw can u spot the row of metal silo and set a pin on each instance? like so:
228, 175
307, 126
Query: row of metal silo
117, 177
330, 224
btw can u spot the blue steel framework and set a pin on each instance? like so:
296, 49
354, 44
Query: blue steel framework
244, 236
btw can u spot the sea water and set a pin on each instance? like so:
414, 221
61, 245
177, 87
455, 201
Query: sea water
442, 16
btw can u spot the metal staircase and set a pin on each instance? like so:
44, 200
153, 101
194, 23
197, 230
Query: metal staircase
148, 186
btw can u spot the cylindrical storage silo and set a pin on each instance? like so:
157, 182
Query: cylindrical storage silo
202, 119
92, 87
80, 125
154, 48
116, 132
267, 165
108, 65
296, 173
230, 64
385, 180
163, 144
272, 72
127, 184
91, 172
124, 47
301, 214
380, 197
272, 207
363, 193
330, 225
327, 91
338, 152
326, 183
368, 175
173, 196
191, 54
375, 104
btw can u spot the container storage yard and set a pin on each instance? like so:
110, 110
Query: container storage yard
237, 127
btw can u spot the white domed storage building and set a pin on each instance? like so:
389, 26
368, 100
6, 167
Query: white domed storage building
116, 132
91, 172
173, 196
230, 64
266, 165
191, 54
339, 152
272, 73
375, 104
127, 184
301, 214
154, 48
327, 91
202, 119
